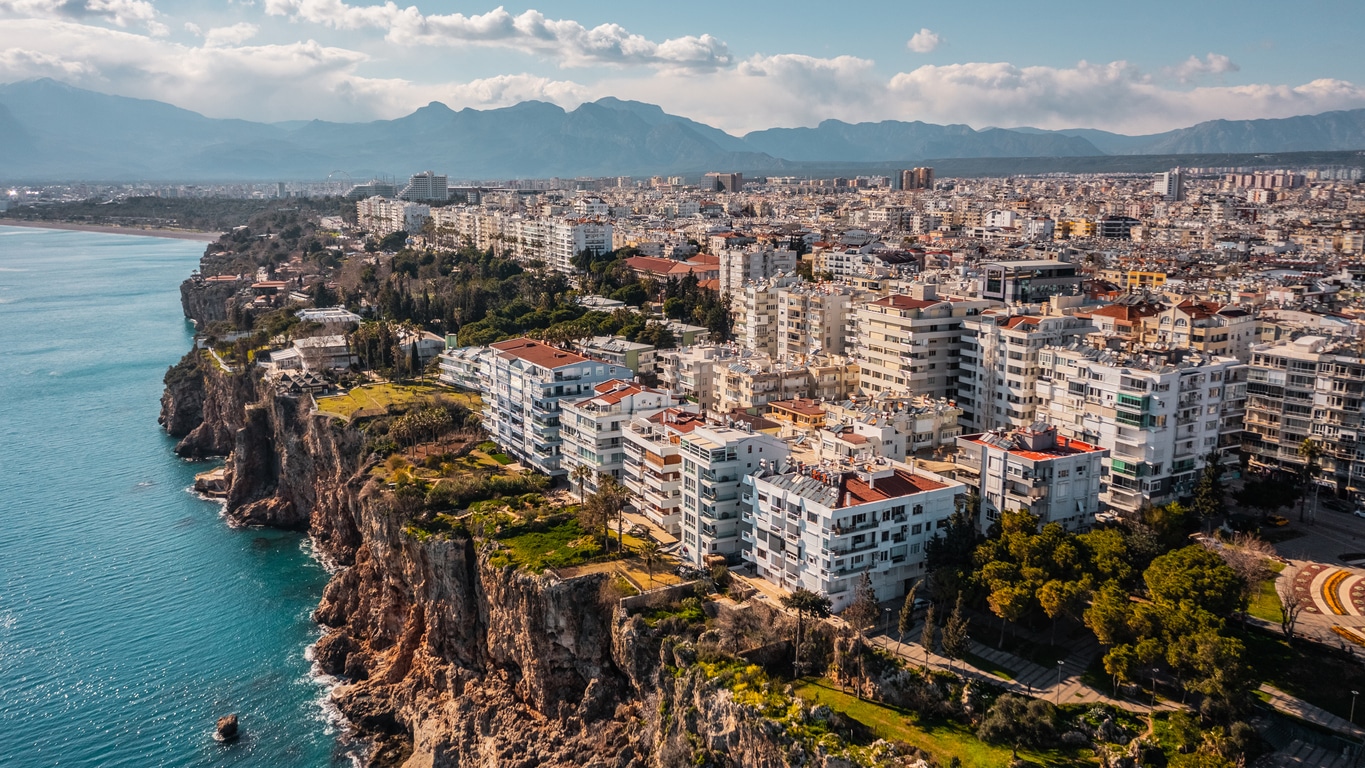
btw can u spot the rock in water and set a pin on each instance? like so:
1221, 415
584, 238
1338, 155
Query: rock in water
227, 727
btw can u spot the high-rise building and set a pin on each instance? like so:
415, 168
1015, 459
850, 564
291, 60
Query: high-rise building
909, 344
715, 460
917, 178
426, 187
725, 182
1170, 186
998, 370
1159, 417
1310, 388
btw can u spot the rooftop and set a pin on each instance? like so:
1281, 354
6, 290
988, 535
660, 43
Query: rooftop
537, 353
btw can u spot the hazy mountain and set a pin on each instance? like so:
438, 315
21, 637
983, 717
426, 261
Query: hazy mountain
50, 130
835, 140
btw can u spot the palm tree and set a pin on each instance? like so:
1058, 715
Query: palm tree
580, 474
649, 552
805, 603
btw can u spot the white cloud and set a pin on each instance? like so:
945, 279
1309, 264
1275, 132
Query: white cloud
233, 35
120, 12
565, 41
924, 41
1194, 67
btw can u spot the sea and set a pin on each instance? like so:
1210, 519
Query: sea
131, 616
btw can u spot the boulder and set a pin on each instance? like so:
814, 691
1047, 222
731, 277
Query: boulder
227, 727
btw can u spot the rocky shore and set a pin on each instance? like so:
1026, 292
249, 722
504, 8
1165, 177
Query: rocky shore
445, 658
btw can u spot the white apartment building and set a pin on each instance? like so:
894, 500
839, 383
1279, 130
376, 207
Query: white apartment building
382, 216
553, 241
427, 187
527, 383
653, 465
1158, 417
569, 238
715, 460
1035, 470
822, 527
812, 319
592, 429
754, 312
760, 262
910, 344
894, 428
1310, 387
998, 373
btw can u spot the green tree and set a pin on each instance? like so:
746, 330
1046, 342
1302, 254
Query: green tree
806, 604
927, 634
861, 614
581, 474
1017, 721
1195, 574
955, 639
906, 620
1210, 500
1311, 451
648, 551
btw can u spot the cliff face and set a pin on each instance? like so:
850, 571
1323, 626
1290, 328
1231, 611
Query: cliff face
206, 302
204, 405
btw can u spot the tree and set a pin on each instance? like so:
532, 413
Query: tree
1292, 602
955, 640
649, 552
926, 635
1061, 598
1267, 496
1017, 721
907, 618
580, 474
1121, 663
607, 503
806, 604
1248, 556
1195, 574
860, 614
1210, 501
1311, 451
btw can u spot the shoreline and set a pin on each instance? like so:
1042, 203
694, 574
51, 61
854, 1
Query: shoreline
173, 234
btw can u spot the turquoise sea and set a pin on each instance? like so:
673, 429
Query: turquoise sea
131, 616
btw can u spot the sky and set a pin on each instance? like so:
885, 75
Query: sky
740, 65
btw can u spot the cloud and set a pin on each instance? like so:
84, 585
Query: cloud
119, 12
924, 41
233, 35
565, 41
1194, 67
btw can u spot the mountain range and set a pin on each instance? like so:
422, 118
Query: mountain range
50, 130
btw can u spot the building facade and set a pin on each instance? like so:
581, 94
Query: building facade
1035, 470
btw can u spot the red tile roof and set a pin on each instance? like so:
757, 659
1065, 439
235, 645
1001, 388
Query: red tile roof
537, 353
900, 483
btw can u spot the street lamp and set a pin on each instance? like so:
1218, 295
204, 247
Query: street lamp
1354, 694
888, 620
1057, 698
1154, 671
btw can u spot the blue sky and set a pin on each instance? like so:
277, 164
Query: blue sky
739, 65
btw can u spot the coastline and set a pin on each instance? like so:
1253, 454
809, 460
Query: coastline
174, 234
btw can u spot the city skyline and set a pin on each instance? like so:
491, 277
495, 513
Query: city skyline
1060, 66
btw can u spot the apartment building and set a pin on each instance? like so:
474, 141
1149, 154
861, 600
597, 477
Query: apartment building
754, 311
715, 461
1159, 416
998, 368
1035, 470
812, 319
652, 470
894, 428
1028, 281
1204, 326
759, 262
382, 216
528, 382
1312, 387
592, 429
910, 344
822, 527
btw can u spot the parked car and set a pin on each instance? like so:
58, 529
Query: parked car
1359, 513
1279, 521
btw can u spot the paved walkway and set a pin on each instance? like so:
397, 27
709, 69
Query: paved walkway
1301, 709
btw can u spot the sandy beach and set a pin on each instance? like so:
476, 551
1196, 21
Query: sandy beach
175, 234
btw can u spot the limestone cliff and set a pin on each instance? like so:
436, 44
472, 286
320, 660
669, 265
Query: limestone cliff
204, 405
206, 301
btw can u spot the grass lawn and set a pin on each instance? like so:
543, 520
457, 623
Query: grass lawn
944, 740
548, 544
374, 399
1266, 603
986, 665
1318, 675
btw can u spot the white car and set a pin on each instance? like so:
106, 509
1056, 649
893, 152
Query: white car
1359, 513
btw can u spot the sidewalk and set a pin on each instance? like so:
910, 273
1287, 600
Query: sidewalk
1309, 713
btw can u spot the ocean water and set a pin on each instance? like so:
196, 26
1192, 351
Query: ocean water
131, 616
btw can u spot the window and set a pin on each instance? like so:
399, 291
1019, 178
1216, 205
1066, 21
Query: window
917, 529
918, 509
